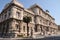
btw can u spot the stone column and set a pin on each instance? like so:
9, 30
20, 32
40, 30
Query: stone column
42, 29
38, 28
49, 30
33, 31
45, 30
21, 27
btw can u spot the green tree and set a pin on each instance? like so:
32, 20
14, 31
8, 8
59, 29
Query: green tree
27, 20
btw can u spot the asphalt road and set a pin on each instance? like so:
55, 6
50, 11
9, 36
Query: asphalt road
46, 38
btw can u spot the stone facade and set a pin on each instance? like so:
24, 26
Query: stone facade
12, 25
59, 27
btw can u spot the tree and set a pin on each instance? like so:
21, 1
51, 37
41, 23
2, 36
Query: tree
27, 20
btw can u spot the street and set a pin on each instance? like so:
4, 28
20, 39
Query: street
46, 38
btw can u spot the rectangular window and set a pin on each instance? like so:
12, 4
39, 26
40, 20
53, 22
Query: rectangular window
39, 12
36, 28
31, 19
18, 27
18, 14
7, 27
47, 29
24, 28
5, 15
9, 14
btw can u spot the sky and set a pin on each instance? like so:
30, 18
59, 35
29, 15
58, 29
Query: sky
52, 5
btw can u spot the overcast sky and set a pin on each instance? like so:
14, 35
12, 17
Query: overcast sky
52, 5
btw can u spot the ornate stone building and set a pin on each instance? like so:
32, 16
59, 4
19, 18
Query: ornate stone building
12, 25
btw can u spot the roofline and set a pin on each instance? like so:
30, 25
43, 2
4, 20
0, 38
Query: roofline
36, 5
10, 4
